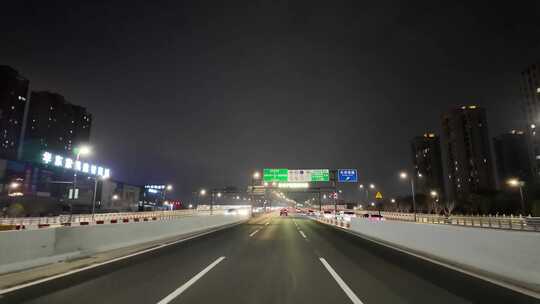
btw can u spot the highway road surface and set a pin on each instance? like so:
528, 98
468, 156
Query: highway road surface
269, 260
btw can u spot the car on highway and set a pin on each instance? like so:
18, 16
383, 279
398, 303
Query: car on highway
327, 214
374, 217
283, 212
347, 215
231, 212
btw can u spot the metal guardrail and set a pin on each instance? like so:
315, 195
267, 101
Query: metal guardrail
21, 223
497, 222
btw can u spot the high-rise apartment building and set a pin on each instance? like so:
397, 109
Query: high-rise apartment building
426, 157
512, 156
54, 125
468, 160
530, 91
13, 95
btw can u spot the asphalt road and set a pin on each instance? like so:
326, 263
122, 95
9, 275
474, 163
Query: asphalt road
288, 260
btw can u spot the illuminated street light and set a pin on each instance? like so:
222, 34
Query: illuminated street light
371, 186
83, 150
202, 192
256, 175
169, 187
372, 204
361, 186
433, 193
393, 200
404, 175
115, 197
190, 206
514, 182
265, 184
219, 194
14, 185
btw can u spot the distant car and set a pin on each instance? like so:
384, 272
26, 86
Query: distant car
347, 215
231, 212
374, 217
283, 212
327, 214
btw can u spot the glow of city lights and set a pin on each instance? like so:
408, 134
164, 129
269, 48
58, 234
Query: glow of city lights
60, 161
294, 185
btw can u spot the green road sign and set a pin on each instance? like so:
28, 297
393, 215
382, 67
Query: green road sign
276, 175
298, 175
320, 175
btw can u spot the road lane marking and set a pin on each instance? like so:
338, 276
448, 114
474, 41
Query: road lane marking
253, 233
302, 233
340, 282
54, 277
267, 223
192, 281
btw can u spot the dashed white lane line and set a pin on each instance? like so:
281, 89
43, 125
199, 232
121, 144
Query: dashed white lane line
253, 233
302, 233
340, 282
192, 281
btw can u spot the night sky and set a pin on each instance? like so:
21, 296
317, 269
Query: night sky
201, 93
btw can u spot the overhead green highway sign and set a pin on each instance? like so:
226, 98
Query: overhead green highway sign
297, 175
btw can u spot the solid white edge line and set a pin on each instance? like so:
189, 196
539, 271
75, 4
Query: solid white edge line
303, 235
253, 233
14, 288
502, 284
191, 281
340, 282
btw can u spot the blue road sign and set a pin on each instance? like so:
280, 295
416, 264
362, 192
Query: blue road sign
347, 176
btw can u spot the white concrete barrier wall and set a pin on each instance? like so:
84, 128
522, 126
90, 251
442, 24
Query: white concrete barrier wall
511, 256
30, 248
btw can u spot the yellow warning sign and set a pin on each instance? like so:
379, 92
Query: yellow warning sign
378, 195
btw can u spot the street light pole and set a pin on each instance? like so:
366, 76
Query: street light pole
413, 198
522, 200
514, 182
94, 198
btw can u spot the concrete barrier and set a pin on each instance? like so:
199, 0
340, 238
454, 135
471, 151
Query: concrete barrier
30, 248
509, 256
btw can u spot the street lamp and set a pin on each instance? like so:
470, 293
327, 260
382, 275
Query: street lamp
404, 175
516, 183
202, 192
14, 185
169, 187
96, 179
256, 175
393, 200
81, 150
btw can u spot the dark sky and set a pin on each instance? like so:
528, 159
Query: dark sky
201, 93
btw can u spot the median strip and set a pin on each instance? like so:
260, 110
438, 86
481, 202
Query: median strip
192, 281
341, 283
